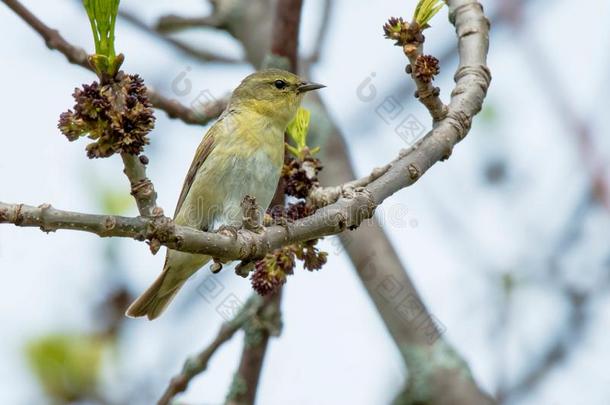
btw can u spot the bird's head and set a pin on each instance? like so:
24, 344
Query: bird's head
274, 93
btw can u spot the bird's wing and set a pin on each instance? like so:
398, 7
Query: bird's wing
203, 151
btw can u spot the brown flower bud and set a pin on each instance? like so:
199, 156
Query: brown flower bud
117, 115
426, 67
300, 177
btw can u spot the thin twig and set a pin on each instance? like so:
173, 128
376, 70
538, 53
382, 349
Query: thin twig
258, 330
246, 245
284, 44
573, 329
323, 30
285, 33
472, 81
52, 37
322, 196
199, 54
172, 22
198, 364
142, 189
321, 34
203, 114
590, 155
435, 146
78, 56
426, 93
376, 261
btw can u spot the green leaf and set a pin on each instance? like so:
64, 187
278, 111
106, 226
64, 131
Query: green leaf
297, 133
297, 129
425, 10
292, 150
102, 17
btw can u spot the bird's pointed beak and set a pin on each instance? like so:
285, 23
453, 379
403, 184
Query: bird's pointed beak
305, 87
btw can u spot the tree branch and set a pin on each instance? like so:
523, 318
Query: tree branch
322, 33
247, 21
200, 54
426, 93
578, 126
258, 330
205, 113
172, 22
78, 56
572, 331
142, 188
322, 196
348, 204
330, 220
52, 37
415, 331
472, 81
429, 382
285, 33
199, 363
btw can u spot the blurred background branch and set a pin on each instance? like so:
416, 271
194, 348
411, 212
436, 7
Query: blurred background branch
78, 56
197, 54
198, 364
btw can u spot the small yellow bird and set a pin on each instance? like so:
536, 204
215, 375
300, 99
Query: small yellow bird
241, 154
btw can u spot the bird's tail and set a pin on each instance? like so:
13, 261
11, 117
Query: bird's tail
178, 267
153, 301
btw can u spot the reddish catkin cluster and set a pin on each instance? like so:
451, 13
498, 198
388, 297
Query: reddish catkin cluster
270, 272
117, 115
300, 177
426, 67
403, 32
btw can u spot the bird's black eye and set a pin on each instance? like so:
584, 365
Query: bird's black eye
279, 84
